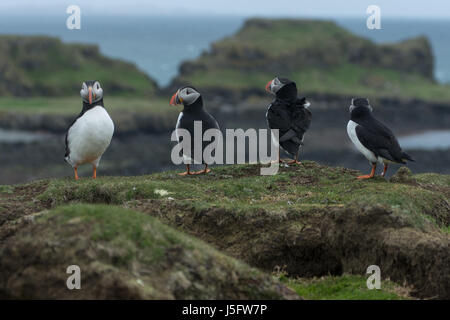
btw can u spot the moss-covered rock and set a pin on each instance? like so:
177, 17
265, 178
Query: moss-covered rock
122, 254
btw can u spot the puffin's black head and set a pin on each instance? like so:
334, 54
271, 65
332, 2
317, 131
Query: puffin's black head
91, 91
360, 106
185, 95
283, 88
274, 85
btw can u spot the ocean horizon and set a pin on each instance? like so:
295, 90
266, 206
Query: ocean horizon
157, 45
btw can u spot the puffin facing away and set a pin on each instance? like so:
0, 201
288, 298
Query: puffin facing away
193, 111
289, 114
372, 138
90, 134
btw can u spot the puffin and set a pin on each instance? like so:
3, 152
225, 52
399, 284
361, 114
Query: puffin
372, 138
91, 132
193, 111
289, 114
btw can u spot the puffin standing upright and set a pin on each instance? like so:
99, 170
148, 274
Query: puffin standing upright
193, 111
91, 132
289, 114
372, 138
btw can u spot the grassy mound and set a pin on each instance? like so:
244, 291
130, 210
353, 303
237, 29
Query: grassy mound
122, 254
310, 220
320, 56
44, 66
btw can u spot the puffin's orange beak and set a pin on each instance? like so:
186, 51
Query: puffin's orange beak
268, 86
90, 95
173, 100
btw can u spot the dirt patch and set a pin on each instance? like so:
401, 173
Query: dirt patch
16, 204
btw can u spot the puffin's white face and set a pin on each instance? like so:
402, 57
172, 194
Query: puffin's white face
91, 92
274, 85
186, 96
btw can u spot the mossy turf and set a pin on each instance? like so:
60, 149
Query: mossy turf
123, 254
243, 190
346, 287
312, 219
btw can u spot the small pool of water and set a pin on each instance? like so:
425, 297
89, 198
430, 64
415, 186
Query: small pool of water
15, 136
428, 140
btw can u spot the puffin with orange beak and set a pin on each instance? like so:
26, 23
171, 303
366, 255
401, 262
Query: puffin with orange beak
91, 132
289, 114
193, 112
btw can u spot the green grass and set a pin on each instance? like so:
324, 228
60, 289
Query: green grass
73, 105
243, 190
131, 81
126, 229
434, 179
346, 287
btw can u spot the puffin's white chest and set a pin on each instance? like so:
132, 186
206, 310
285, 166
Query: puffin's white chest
90, 136
351, 130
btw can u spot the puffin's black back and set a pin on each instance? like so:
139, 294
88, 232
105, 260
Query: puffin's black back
287, 112
376, 137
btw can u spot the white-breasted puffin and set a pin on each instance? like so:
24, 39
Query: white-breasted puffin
372, 138
91, 132
193, 111
289, 114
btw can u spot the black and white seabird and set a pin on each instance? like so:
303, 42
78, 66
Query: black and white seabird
193, 111
91, 132
372, 138
289, 114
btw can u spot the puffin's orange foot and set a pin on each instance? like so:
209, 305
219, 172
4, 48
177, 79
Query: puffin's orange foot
276, 161
294, 162
187, 173
367, 176
203, 171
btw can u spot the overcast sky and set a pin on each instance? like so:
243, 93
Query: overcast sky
311, 8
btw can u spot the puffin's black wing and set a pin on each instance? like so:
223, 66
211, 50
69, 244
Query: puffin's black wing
67, 145
379, 139
67, 133
292, 123
301, 119
279, 117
